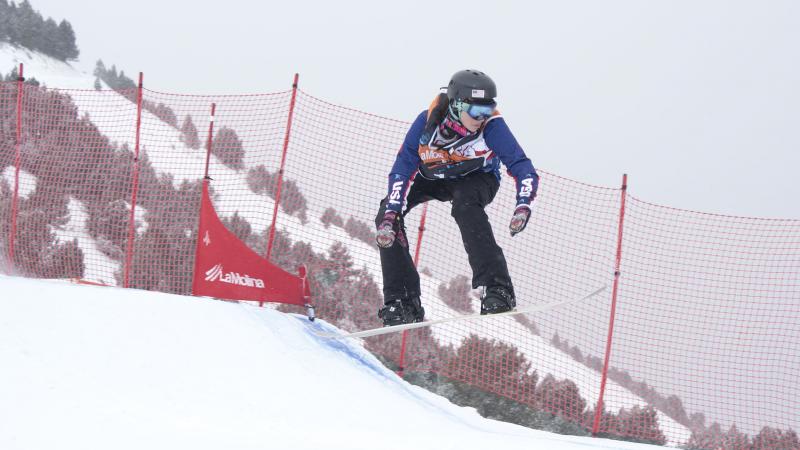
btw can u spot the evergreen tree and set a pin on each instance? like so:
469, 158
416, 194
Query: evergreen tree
560, 398
736, 439
228, 148
774, 438
30, 25
50, 42
109, 224
640, 424
456, 294
5, 18
329, 217
262, 181
508, 371
68, 49
239, 226
14, 76
100, 69
65, 260
162, 111
24, 26
189, 133
124, 82
12, 24
355, 228
294, 203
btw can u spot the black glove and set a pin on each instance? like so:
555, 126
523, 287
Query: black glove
386, 234
520, 219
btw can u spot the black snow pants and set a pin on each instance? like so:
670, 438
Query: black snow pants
469, 196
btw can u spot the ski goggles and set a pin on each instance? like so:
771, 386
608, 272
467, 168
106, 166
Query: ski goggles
475, 110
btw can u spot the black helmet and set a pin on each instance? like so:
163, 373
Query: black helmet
472, 86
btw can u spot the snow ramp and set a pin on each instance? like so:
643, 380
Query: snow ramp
84, 367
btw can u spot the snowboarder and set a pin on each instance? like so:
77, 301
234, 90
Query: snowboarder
452, 152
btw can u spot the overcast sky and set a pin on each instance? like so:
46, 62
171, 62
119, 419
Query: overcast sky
697, 100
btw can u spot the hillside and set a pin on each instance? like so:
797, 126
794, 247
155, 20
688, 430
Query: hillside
50, 71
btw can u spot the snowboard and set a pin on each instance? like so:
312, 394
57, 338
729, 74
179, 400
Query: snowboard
468, 317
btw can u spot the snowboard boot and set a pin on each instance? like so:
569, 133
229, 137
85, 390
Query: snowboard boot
402, 311
497, 299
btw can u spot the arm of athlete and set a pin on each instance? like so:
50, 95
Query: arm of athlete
405, 164
502, 142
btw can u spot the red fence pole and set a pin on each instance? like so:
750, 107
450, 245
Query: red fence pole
421, 230
599, 408
402, 359
17, 161
135, 190
271, 238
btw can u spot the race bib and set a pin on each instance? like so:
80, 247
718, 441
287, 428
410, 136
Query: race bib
433, 157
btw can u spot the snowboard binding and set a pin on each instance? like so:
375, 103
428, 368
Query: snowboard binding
497, 299
403, 311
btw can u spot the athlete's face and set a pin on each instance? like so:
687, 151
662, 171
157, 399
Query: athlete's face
470, 123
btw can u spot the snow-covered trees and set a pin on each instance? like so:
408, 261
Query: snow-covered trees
189, 133
262, 181
22, 25
117, 81
714, 438
227, 147
456, 294
331, 217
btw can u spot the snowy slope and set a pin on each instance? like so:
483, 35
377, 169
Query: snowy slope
55, 74
45, 69
95, 368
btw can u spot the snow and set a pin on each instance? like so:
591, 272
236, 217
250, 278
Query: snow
89, 367
27, 182
98, 266
43, 68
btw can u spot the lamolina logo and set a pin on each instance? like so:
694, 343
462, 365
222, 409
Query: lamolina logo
217, 274
429, 155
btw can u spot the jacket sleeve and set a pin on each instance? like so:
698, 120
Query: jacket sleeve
405, 165
502, 142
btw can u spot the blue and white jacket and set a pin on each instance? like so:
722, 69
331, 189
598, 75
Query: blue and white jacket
483, 150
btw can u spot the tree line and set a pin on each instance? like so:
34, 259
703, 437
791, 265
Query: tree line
23, 26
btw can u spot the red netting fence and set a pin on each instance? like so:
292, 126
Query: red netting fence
105, 186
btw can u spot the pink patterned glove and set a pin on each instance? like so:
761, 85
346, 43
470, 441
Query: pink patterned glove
520, 219
386, 235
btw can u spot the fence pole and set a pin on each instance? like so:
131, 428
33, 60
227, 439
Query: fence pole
402, 359
206, 179
271, 238
598, 412
135, 190
17, 162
